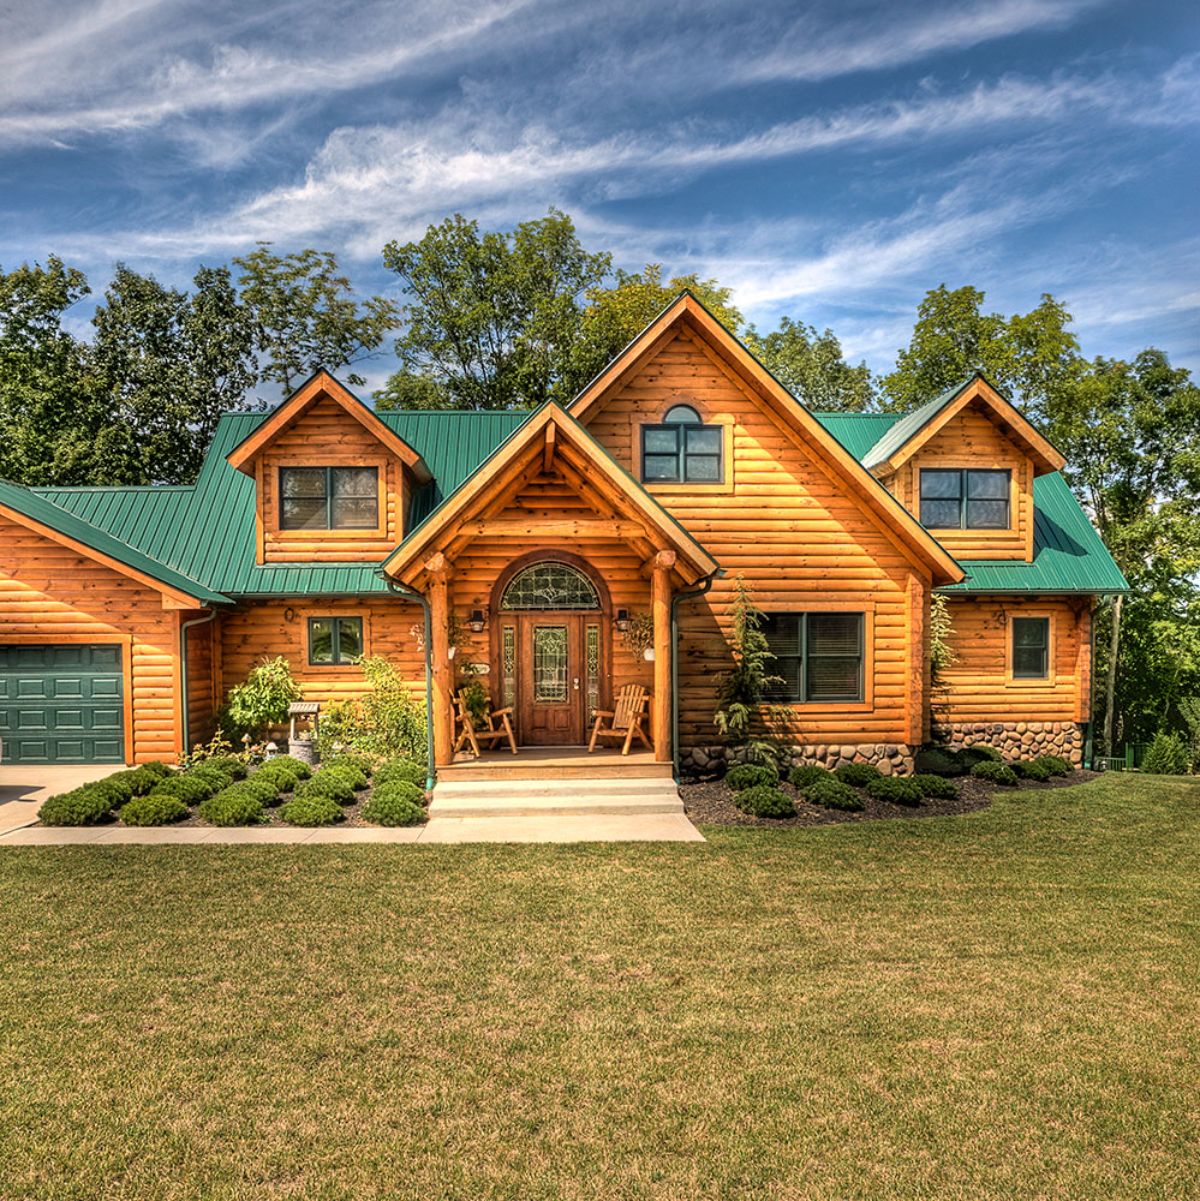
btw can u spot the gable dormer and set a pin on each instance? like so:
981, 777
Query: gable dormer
964, 466
332, 480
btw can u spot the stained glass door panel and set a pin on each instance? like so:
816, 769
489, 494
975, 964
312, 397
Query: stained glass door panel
552, 688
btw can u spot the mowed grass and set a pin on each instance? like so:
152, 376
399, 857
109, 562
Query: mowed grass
1002, 1005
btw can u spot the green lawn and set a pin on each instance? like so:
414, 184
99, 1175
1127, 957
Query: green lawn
1001, 1005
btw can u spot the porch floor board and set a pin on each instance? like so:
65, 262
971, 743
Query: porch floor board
557, 763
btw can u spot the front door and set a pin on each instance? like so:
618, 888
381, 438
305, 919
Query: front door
553, 690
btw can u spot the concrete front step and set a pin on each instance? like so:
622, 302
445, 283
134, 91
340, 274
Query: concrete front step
448, 787
546, 798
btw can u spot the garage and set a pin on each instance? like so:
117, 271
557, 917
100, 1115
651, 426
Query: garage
62, 704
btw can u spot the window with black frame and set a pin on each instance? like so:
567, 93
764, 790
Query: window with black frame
1031, 648
328, 498
682, 450
333, 640
818, 657
965, 499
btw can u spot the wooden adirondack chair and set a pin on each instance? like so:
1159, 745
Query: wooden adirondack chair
624, 723
499, 727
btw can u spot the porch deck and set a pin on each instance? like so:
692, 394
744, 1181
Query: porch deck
556, 763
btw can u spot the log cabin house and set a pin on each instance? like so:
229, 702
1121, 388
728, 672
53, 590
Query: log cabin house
565, 552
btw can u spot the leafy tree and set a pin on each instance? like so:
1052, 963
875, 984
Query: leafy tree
409, 390
492, 317
167, 364
811, 366
616, 314
50, 419
307, 316
1025, 356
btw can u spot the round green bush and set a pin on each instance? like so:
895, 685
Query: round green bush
153, 811
230, 767
83, 806
1167, 756
211, 775
389, 807
157, 767
895, 789
364, 763
278, 775
1032, 769
938, 761
191, 790
143, 780
1057, 765
978, 753
345, 771
751, 775
765, 800
233, 806
401, 770
857, 775
833, 794
937, 787
807, 774
401, 790
311, 809
992, 772
325, 785
262, 791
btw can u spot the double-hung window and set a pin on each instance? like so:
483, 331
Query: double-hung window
818, 656
333, 640
329, 498
1031, 648
966, 499
682, 450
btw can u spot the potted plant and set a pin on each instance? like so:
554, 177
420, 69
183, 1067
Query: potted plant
638, 635
475, 701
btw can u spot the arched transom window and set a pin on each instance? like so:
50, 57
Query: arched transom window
682, 450
550, 586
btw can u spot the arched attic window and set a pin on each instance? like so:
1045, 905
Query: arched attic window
682, 449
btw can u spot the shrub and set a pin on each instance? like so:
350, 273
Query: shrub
311, 809
153, 811
323, 784
262, 791
765, 800
1167, 756
1032, 769
191, 790
345, 771
83, 806
833, 794
211, 775
263, 699
142, 780
364, 763
895, 789
938, 787
401, 770
279, 775
938, 761
857, 774
751, 775
233, 806
230, 766
994, 773
402, 790
391, 807
156, 767
979, 752
807, 774
387, 723
1056, 763
116, 788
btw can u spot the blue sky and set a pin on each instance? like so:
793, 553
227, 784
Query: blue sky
830, 161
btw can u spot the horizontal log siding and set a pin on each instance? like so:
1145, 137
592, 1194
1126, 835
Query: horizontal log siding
325, 435
979, 686
972, 439
477, 567
201, 683
796, 535
55, 594
256, 630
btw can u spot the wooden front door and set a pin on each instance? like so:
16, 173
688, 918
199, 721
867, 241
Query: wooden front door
553, 688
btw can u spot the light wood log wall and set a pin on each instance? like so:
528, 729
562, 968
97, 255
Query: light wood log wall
57, 595
979, 686
325, 435
800, 540
972, 439
201, 682
259, 630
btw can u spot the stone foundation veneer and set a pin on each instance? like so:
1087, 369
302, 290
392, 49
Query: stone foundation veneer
1016, 739
892, 759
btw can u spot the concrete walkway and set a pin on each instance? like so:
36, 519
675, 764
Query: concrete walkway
23, 789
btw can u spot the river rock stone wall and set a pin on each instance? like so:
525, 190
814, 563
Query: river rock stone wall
892, 759
1017, 739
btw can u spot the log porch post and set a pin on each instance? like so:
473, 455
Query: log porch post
660, 605
439, 621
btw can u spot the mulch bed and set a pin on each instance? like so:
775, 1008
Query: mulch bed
712, 802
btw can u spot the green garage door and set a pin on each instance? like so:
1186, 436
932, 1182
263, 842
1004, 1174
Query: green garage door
61, 704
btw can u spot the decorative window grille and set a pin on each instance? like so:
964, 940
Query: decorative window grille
593, 670
550, 586
510, 666
549, 665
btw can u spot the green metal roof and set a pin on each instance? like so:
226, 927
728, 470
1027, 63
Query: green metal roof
205, 532
908, 425
63, 521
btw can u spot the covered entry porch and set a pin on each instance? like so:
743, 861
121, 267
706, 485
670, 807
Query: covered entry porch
549, 578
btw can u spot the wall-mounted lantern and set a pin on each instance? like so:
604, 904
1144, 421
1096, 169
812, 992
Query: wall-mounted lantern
477, 621
622, 620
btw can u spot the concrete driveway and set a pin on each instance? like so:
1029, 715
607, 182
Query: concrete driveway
24, 787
